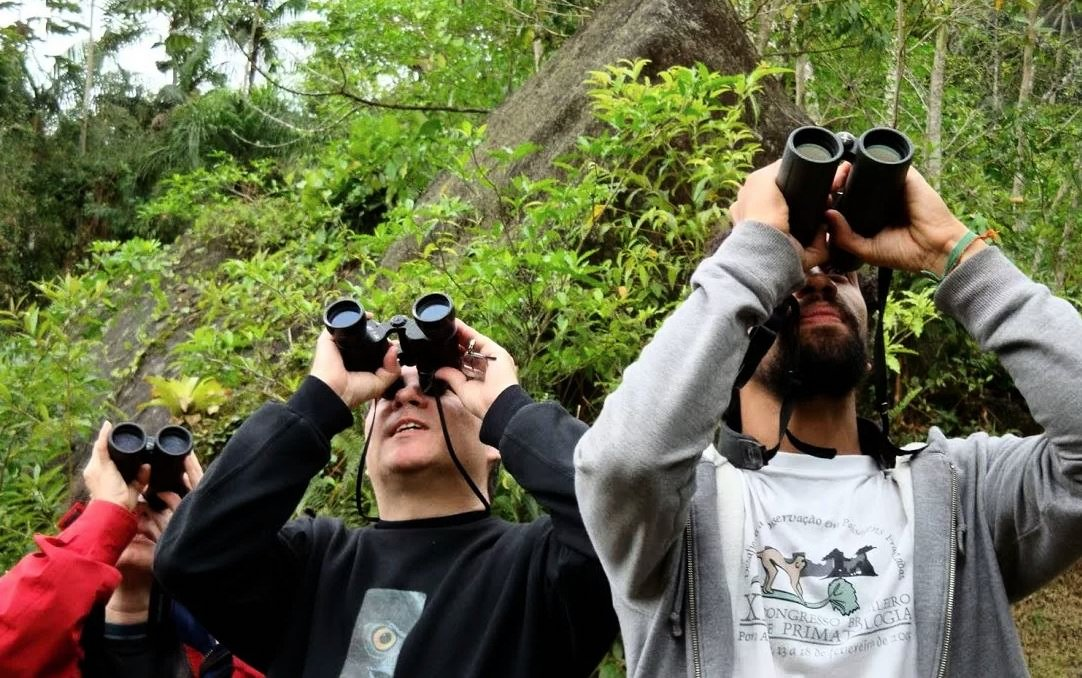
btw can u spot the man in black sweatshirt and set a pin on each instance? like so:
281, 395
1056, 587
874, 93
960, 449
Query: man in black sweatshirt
436, 587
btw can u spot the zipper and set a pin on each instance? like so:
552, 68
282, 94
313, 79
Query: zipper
693, 615
944, 657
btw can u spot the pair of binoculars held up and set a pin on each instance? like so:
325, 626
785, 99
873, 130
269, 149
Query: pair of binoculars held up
426, 340
874, 193
130, 447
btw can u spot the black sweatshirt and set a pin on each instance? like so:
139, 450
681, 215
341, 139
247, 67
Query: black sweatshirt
470, 594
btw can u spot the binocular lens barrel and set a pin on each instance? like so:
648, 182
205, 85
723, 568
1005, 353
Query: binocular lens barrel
435, 315
127, 447
345, 319
883, 153
343, 315
127, 438
805, 177
813, 152
875, 190
175, 441
167, 465
130, 447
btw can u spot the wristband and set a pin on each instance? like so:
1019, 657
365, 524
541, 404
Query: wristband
955, 257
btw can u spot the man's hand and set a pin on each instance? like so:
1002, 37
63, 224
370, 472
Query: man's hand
353, 388
760, 199
481, 380
922, 245
103, 479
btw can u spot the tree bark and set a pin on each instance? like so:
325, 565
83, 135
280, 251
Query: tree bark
253, 47
897, 66
934, 166
1061, 48
764, 26
1025, 91
88, 81
997, 61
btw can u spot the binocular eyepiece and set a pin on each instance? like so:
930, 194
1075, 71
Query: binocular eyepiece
425, 340
874, 192
130, 447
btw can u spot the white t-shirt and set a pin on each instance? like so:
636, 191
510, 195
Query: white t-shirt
826, 571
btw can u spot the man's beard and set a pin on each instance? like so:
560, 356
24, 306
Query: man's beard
829, 366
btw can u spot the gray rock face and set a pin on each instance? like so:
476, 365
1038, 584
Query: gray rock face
551, 109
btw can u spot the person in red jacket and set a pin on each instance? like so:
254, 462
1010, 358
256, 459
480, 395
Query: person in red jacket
86, 604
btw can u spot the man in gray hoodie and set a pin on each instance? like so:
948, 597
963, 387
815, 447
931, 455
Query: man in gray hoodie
728, 556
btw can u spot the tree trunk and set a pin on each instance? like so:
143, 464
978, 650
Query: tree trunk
1062, 257
253, 47
765, 25
997, 61
897, 66
934, 166
1061, 48
88, 81
1025, 91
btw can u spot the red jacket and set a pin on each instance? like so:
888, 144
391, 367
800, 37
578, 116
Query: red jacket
46, 598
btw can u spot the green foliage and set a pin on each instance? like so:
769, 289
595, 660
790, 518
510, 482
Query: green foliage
580, 270
187, 398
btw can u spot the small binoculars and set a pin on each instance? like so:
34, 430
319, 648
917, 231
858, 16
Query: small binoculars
874, 192
130, 447
427, 340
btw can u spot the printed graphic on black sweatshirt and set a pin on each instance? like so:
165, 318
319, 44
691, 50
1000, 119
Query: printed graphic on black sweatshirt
386, 618
823, 588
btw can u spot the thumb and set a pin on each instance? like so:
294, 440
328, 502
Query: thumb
101, 445
842, 234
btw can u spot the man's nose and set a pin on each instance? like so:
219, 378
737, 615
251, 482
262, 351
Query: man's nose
818, 283
410, 393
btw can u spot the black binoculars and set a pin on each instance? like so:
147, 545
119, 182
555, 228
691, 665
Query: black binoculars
130, 447
427, 340
874, 193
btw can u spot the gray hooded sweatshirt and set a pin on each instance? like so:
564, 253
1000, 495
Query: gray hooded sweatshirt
995, 518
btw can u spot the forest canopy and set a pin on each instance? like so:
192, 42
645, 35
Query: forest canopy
165, 253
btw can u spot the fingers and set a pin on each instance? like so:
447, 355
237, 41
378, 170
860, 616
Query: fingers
759, 199
141, 479
101, 445
842, 234
841, 176
193, 471
171, 500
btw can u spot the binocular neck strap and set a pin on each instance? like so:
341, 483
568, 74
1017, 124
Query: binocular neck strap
454, 457
358, 495
762, 337
882, 390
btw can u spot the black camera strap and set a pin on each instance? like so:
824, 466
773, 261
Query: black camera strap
358, 495
762, 337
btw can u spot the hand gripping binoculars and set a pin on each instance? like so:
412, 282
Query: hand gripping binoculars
130, 447
426, 340
874, 193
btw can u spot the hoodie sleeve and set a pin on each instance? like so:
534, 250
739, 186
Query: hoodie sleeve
635, 466
1032, 486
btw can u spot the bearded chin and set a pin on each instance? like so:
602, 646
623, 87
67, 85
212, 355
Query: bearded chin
825, 367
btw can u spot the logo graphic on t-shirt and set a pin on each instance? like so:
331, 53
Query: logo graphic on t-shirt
841, 594
386, 618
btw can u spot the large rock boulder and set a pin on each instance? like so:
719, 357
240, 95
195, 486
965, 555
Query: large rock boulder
551, 109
